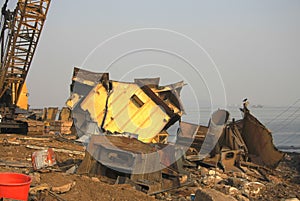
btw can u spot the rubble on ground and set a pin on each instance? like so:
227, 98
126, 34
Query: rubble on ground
282, 183
123, 151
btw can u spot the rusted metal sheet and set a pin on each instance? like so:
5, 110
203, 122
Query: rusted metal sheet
124, 154
188, 130
152, 168
230, 160
229, 143
212, 144
151, 82
191, 135
259, 141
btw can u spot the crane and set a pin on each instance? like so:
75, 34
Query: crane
20, 32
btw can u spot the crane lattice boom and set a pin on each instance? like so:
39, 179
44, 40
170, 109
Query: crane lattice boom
21, 30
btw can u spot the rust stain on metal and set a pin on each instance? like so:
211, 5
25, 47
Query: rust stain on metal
259, 142
245, 140
150, 169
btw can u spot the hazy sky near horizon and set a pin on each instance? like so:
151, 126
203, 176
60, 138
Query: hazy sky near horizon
255, 46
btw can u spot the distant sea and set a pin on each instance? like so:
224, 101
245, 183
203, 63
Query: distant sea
284, 122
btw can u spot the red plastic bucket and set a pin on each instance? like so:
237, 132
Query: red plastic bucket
14, 185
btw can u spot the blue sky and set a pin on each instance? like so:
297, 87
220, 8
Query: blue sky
254, 44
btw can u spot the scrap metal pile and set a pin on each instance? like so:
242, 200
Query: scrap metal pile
105, 111
231, 144
125, 127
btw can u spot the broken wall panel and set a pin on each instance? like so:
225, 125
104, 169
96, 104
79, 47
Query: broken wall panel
259, 142
95, 103
119, 107
83, 82
188, 130
191, 135
171, 95
131, 110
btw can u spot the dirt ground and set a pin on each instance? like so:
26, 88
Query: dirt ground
16, 151
13, 149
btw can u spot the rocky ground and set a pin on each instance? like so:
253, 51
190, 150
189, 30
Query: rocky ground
58, 182
279, 184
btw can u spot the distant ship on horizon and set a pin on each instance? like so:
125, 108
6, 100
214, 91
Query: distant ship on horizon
257, 106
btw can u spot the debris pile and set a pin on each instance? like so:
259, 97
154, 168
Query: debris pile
124, 153
57, 121
142, 111
110, 116
231, 144
256, 183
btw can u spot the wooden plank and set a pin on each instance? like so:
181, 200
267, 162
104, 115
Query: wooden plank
18, 164
35, 138
56, 150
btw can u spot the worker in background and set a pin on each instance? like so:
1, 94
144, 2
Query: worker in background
245, 107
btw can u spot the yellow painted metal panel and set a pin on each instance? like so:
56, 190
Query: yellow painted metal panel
124, 115
95, 102
129, 110
23, 99
72, 101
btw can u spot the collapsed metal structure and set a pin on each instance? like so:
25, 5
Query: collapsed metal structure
231, 144
124, 126
148, 168
104, 111
141, 108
